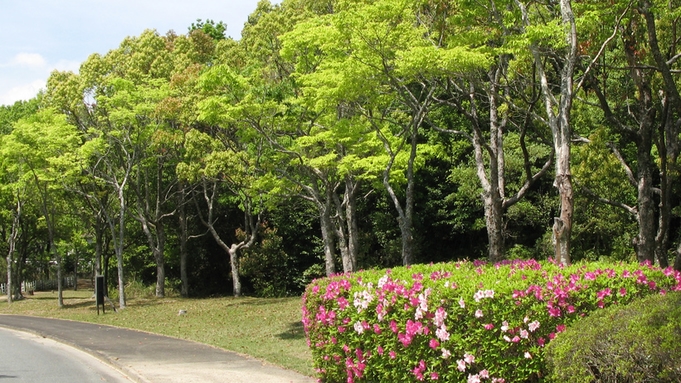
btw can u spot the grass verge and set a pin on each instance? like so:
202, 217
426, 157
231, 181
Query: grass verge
267, 329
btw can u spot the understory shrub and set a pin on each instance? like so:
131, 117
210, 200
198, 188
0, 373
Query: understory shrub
459, 322
640, 342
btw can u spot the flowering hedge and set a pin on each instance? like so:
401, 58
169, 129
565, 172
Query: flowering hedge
459, 322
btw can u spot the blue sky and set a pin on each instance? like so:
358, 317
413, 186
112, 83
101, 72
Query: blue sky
39, 36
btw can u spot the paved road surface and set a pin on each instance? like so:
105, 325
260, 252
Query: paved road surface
150, 358
29, 358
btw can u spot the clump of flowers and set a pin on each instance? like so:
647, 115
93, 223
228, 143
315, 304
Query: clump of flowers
465, 321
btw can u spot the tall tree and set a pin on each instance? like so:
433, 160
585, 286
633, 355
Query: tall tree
40, 146
556, 44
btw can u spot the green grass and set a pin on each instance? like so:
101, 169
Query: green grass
267, 329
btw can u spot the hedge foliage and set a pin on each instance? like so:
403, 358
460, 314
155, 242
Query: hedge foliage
637, 343
460, 322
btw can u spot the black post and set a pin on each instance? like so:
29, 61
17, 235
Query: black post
99, 292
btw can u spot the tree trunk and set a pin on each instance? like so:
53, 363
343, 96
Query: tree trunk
183, 237
328, 237
558, 119
118, 248
234, 264
12, 243
159, 256
562, 226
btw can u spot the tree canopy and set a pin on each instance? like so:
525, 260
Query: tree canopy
344, 135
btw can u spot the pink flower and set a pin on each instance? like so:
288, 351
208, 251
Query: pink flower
434, 376
377, 329
560, 328
341, 329
380, 350
623, 291
554, 311
462, 303
433, 344
440, 316
446, 354
442, 334
524, 334
484, 374
489, 326
393, 326
469, 358
473, 378
515, 339
478, 314
392, 354
461, 365
528, 355
533, 326
541, 342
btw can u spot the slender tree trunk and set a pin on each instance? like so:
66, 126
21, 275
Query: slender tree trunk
183, 237
351, 219
328, 237
118, 247
160, 261
12, 243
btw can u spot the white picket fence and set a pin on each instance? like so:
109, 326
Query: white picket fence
40, 285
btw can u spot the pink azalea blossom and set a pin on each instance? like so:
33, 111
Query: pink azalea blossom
469, 358
462, 303
473, 378
489, 326
392, 354
434, 376
484, 374
461, 365
528, 355
446, 354
533, 326
478, 313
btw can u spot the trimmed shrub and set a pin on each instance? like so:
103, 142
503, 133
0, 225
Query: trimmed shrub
640, 342
458, 322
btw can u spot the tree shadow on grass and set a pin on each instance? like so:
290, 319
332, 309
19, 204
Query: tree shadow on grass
294, 330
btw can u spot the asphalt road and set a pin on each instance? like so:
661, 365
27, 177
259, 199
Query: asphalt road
148, 358
26, 357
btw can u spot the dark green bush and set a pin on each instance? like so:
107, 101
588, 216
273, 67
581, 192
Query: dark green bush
640, 342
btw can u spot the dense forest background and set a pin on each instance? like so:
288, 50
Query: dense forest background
340, 135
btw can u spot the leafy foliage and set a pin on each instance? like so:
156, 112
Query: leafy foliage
633, 343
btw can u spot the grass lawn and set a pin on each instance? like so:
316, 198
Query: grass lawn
267, 329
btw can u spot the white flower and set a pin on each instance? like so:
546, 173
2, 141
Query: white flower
358, 327
533, 326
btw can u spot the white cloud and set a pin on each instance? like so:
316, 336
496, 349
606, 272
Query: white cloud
33, 60
22, 92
